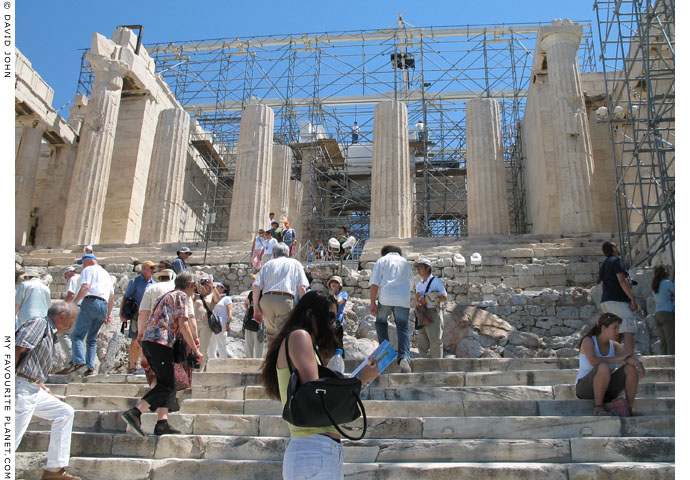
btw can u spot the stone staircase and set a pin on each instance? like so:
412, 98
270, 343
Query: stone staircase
449, 419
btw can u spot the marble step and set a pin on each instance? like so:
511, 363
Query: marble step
579, 449
423, 392
109, 468
441, 379
423, 365
389, 427
412, 408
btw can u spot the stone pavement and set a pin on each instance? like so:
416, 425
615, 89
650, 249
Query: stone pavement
449, 419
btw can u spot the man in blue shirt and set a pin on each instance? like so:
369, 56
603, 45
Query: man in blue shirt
617, 295
180, 263
135, 292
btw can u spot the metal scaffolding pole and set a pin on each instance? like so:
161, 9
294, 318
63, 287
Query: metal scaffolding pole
638, 57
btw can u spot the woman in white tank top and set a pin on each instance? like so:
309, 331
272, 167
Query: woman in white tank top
598, 377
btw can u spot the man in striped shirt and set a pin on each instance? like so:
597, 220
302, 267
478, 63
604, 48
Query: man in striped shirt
33, 356
279, 280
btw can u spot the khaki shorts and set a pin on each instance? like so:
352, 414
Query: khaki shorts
621, 309
585, 386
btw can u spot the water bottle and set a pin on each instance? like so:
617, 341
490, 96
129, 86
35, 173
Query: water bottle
337, 364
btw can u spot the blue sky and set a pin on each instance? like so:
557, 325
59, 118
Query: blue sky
50, 33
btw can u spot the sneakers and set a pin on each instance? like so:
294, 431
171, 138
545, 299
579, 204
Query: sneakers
405, 366
88, 372
163, 428
133, 419
66, 370
60, 474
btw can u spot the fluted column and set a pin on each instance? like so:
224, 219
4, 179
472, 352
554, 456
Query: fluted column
487, 195
53, 200
280, 182
295, 212
574, 160
25, 167
392, 212
252, 186
84, 215
165, 187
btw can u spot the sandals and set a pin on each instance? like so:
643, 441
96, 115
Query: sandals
600, 411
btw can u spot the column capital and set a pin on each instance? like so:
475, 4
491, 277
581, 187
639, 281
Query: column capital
30, 121
107, 71
552, 38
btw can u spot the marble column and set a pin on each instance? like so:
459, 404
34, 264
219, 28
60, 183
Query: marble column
53, 201
295, 212
392, 202
124, 201
575, 167
165, 187
252, 185
25, 167
84, 215
487, 195
280, 182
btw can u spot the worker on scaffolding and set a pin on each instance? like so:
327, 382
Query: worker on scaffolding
419, 128
355, 133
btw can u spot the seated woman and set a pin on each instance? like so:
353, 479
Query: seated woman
316, 452
599, 353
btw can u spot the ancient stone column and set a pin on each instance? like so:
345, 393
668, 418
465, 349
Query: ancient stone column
295, 213
25, 166
53, 199
487, 195
252, 186
84, 215
392, 212
280, 182
134, 138
573, 146
165, 187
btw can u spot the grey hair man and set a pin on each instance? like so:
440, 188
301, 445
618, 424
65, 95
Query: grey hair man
34, 346
280, 280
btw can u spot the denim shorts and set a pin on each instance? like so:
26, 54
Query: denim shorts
317, 457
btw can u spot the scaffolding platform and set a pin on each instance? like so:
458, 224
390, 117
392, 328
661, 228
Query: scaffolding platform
417, 148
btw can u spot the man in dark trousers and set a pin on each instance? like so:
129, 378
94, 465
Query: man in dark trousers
617, 295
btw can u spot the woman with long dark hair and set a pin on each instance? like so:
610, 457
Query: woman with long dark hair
665, 312
313, 452
598, 377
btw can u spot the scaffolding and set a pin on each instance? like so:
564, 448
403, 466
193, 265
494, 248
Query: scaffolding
638, 56
319, 84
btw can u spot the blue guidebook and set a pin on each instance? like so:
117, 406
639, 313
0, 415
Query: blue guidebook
384, 355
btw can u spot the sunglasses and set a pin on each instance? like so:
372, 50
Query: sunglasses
332, 317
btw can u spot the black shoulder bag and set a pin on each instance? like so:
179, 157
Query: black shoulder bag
330, 400
213, 321
421, 312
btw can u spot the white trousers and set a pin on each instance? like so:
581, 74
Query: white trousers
217, 347
30, 400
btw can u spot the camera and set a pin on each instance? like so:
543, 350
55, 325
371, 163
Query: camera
203, 281
193, 361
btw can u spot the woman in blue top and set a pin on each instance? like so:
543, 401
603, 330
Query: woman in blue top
598, 377
665, 315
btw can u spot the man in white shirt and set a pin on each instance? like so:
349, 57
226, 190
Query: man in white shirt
97, 298
280, 280
73, 279
32, 298
270, 243
419, 128
430, 293
391, 281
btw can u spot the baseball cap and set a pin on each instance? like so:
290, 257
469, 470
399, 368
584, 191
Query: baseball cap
184, 250
88, 256
423, 261
149, 263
